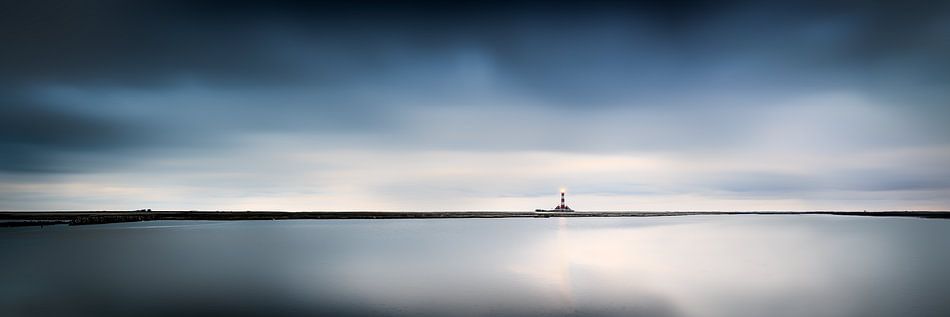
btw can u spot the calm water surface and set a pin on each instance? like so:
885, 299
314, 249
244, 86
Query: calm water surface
668, 266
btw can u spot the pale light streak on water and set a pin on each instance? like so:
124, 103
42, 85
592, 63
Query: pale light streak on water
669, 266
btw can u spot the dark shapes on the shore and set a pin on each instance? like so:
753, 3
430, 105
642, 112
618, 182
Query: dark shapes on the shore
103, 219
32, 223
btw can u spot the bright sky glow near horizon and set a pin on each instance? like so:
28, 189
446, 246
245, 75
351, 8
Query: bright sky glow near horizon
379, 105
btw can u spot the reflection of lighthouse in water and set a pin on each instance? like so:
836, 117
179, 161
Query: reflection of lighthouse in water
562, 207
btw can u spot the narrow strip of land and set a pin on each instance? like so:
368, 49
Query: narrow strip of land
9, 219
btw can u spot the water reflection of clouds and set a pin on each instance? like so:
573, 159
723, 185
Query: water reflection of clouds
717, 266
588, 273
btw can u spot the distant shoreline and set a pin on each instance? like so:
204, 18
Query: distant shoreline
32, 218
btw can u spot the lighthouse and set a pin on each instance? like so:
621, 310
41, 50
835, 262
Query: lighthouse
559, 208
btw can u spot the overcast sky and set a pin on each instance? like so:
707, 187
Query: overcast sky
483, 105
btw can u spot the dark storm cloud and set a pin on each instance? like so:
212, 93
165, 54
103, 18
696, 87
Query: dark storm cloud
121, 43
24, 122
39, 137
546, 45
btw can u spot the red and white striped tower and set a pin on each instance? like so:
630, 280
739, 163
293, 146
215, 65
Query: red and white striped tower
562, 200
563, 206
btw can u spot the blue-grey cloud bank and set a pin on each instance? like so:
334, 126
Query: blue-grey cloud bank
390, 105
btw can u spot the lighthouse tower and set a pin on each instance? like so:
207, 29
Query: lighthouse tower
559, 208
562, 206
